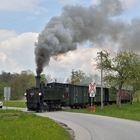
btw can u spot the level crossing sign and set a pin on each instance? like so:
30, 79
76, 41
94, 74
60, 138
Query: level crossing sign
92, 89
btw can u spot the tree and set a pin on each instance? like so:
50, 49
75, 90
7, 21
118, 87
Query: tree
79, 77
120, 71
76, 76
5, 77
44, 78
1, 90
89, 78
19, 83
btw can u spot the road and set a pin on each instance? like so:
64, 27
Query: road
94, 127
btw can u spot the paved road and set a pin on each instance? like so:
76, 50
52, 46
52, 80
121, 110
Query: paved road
94, 127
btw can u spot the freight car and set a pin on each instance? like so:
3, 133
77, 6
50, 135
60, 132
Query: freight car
78, 96
54, 95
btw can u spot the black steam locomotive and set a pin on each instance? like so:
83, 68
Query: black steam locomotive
54, 96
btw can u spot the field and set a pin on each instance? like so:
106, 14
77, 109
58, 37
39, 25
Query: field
127, 111
16, 125
15, 103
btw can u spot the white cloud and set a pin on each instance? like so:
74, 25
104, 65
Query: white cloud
20, 5
17, 52
6, 34
82, 58
3, 56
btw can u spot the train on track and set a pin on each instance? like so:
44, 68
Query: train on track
54, 96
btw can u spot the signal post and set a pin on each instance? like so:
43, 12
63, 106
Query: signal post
92, 92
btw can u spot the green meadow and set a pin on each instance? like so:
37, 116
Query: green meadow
15, 103
16, 125
126, 111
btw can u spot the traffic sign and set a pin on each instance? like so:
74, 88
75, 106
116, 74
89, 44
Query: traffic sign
92, 89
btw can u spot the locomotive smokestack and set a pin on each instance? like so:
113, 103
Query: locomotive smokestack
38, 80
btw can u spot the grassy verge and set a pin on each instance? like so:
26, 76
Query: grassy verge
15, 103
127, 111
15, 125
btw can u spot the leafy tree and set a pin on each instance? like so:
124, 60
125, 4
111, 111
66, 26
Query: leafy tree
79, 77
76, 76
5, 77
89, 78
121, 71
19, 83
1, 90
44, 79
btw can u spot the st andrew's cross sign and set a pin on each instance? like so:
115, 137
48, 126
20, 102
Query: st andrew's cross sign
92, 89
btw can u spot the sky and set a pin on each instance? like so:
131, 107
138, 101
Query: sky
22, 21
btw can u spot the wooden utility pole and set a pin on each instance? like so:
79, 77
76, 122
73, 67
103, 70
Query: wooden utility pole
101, 57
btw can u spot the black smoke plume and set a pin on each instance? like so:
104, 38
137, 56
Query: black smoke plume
78, 24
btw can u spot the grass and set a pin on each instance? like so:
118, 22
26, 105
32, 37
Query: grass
16, 125
15, 103
127, 111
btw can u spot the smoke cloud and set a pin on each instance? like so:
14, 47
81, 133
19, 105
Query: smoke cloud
78, 24
131, 37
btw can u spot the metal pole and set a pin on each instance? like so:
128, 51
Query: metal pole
101, 81
91, 101
101, 54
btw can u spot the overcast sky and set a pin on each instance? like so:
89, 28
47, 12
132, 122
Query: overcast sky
22, 21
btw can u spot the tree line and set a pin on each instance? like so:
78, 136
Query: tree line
18, 83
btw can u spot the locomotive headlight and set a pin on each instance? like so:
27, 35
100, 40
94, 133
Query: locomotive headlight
25, 94
39, 93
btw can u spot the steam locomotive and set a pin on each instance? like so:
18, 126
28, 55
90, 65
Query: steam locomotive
54, 96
